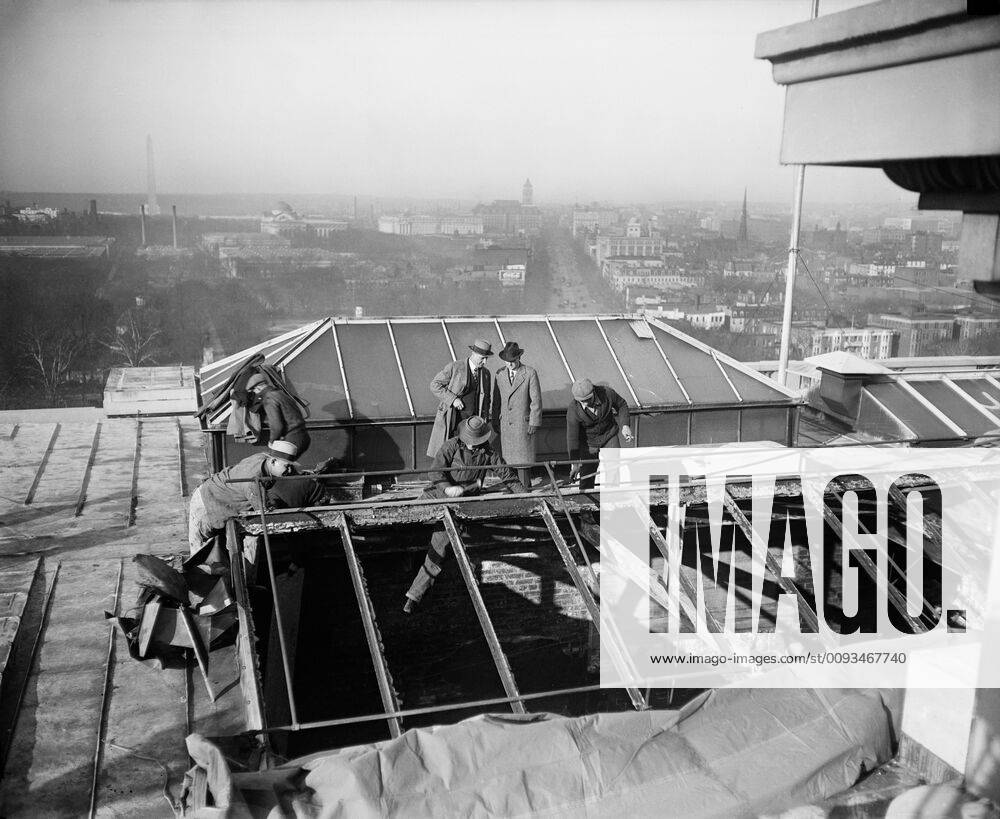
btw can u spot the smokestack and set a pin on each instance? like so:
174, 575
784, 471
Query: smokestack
142, 223
152, 207
174, 209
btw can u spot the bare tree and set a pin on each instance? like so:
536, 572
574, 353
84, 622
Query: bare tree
135, 339
50, 353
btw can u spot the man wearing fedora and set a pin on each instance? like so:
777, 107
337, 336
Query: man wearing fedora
597, 417
284, 418
456, 473
464, 389
519, 403
215, 500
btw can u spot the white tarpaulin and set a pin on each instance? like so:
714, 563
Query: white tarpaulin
730, 753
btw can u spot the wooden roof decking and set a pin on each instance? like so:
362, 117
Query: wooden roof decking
92, 520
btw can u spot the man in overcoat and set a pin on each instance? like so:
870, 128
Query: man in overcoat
464, 389
519, 407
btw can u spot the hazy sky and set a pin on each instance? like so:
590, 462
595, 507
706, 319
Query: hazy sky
592, 100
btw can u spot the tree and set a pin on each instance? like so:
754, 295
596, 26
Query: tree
50, 354
135, 338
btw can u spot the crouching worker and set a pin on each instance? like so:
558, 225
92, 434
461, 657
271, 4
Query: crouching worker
215, 500
470, 448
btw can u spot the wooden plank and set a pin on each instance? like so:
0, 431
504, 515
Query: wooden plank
41, 466
181, 465
250, 679
85, 482
133, 498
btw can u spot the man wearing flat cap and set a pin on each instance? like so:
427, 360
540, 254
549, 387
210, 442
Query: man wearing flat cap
597, 418
456, 473
463, 388
284, 419
519, 409
216, 500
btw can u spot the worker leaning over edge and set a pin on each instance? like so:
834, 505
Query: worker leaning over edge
597, 418
215, 500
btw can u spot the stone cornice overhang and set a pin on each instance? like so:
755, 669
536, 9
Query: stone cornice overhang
889, 83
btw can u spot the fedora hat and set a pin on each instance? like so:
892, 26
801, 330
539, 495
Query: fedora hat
511, 350
482, 347
282, 450
474, 431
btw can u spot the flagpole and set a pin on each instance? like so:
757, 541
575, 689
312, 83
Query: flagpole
793, 252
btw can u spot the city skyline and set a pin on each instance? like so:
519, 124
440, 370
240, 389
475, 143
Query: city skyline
393, 100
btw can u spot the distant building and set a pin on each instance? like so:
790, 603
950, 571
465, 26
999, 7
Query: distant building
749, 269
628, 246
422, 225
591, 221
283, 221
973, 326
864, 342
57, 248
507, 266
259, 262
212, 242
527, 193
916, 333
35, 215
508, 217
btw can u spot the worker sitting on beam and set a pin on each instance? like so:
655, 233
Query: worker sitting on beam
458, 471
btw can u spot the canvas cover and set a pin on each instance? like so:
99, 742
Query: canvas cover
729, 753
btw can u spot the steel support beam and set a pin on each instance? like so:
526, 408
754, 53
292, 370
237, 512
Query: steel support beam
503, 667
639, 701
279, 622
389, 700
806, 613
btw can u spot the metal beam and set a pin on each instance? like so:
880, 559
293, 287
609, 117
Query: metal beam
670, 367
559, 349
993, 419
399, 364
279, 621
806, 613
447, 337
437, 709
503, 667
725, 375
930, 407
343, 372
688, 591
870, 567
639, 701
389, 699
618, 364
